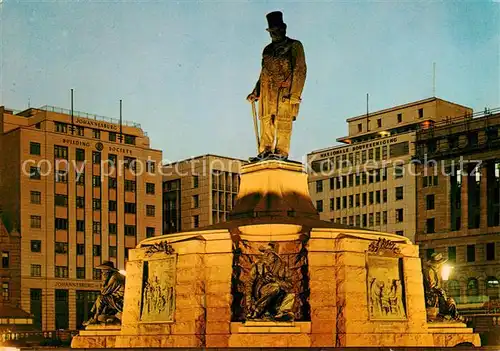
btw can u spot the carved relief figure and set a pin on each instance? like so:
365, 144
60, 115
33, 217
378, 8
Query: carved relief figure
279, 88
158, 300
109, 304
268, 289
435, 296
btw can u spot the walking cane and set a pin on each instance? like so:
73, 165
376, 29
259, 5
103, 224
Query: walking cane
255, 125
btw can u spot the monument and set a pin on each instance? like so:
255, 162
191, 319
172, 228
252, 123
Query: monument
274, 274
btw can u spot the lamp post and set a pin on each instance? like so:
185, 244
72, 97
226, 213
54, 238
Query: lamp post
446, 272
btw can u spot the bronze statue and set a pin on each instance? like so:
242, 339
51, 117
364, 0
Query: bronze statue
279, 88
267, 292
435, 296
109, 304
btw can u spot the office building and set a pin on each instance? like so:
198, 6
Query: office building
369, 181
199, 191
81, 189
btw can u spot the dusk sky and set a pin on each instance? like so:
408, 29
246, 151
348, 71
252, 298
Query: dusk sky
184, 68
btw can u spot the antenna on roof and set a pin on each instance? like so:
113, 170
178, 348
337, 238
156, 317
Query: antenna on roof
29, 102
367, 113
434, 79
121, 135
72, 116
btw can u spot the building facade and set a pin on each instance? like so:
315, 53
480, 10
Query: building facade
369, 181
458, 203
198, 192
81, 189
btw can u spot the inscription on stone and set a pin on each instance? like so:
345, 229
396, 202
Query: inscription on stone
158, 293
386, 295
384, 245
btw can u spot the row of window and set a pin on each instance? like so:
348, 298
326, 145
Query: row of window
61, 127
470, 255
369, 219
399, 119
62, 271
363, 199
351, 180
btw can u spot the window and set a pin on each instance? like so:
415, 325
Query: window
96, 204
399, 149
399, 215
35, 173
96, 274
36, 221
360, 127
130, 185
129, 139
5, 291
430, 223
96, 134
80, 202
61, 248
429, 199
358, 200
196, 221
61, 200
112, 251
96, 250
61, 272
130, 207
319, 205
472, 139
490, 251
384, 217
150, 188
80, 155
113, 160
112, 183
36, 246
196, 181
61, 127
379, 123
400, 117
126, 253
80, 131
80, 226
370, 197
80, 178
384, 195
96, 181
35, 148
471, 253
112, 136
112, 228
38, 125
398, 172
400, 232
452, 253
96, 157
150, 232
80, 272
472, 287
61, 176
61, 152
365, 220
36, 197
370, 220
130, 230
429, 253
150, 210
5, 259
150, 166
129, 162
80, 249
420, 112
344, 202
61, 224
351, 200
36, 270
112, 206
319, 186
399, 193
377, 218
96, 227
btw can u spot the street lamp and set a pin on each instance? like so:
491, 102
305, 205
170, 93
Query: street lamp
446, 271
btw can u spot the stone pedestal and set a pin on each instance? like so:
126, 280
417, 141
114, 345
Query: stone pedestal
350, 287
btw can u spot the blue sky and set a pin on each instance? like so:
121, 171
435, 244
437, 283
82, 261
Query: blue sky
184, 68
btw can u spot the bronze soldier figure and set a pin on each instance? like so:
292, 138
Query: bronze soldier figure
109, 304
268, 289
279, 88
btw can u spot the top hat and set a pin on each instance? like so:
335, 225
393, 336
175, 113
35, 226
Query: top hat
437, 258
275, 20
107, 265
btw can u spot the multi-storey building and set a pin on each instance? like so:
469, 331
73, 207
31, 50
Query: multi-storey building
370, 182
199, 191
81, 189
458, 203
